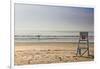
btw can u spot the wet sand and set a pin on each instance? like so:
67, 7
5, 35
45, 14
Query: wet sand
49, 52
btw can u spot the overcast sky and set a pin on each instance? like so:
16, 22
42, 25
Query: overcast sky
32, 18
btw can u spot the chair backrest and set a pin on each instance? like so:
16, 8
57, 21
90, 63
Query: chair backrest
84, 35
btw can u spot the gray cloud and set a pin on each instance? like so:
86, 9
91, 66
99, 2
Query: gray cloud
29, 18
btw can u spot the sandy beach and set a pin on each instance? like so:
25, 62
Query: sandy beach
49, 52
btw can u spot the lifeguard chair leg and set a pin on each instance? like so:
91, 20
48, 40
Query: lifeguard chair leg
78, 49
88, 47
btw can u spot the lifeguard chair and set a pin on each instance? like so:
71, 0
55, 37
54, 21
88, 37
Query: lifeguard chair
83, 39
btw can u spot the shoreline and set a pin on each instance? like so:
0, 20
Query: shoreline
49, 42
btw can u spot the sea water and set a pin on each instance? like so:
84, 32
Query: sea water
54, 36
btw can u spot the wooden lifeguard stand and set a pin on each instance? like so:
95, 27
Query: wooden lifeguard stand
83, 39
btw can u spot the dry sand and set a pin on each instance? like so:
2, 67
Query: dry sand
48, 52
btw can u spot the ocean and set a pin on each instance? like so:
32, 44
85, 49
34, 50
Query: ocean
51, 37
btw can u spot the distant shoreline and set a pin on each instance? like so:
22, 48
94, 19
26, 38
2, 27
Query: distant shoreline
50, 42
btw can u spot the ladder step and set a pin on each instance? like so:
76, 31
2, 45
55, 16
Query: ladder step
83, 48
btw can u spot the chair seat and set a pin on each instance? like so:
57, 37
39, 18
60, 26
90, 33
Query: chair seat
83, 39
